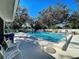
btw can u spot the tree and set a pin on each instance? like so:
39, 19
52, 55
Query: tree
77, 2
74, 20
53, 15
21, 18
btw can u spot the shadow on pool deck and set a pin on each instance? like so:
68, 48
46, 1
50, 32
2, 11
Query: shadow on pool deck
64, 48
32, 51
75, 45
76, 58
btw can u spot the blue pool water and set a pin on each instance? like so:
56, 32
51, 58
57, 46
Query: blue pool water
54, 37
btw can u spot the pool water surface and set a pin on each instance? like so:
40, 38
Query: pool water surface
54, 37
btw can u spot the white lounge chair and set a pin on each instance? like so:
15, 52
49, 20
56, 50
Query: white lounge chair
12, 52
1, 56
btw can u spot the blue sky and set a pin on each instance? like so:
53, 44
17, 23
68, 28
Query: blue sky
34, 6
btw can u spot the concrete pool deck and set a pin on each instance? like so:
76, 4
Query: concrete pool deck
26, 50
71, 52
52, 48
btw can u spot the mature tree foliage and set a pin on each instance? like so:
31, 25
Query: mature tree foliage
49, 18
53, 15
21, 18
74, 20
77, 2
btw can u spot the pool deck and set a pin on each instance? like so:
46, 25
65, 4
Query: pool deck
71, 52
55, 49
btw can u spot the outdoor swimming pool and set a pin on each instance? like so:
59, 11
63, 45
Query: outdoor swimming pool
54, 37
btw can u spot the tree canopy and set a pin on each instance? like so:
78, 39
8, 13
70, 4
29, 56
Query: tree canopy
49, 17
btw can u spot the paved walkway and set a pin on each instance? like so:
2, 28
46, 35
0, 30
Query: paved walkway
31, 50
71, 52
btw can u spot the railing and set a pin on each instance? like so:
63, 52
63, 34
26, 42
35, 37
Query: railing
67, 43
